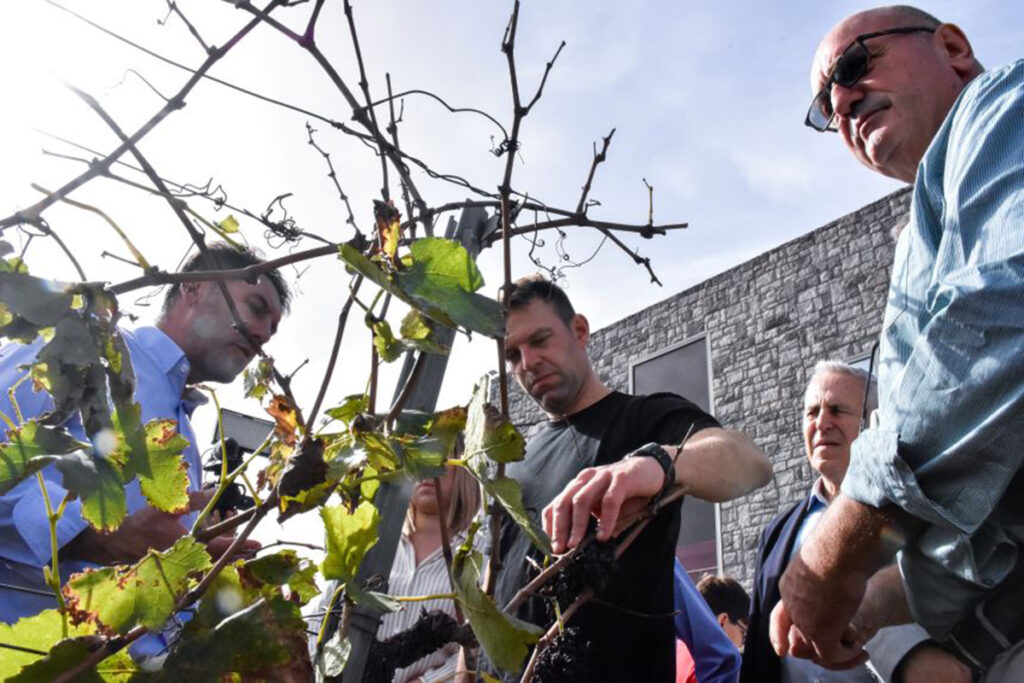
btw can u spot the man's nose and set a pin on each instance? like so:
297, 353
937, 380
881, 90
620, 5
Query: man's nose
823, 420
528, 358
845, 99
260, 329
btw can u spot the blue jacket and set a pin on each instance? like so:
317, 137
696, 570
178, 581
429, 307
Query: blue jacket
760, 663
715, 658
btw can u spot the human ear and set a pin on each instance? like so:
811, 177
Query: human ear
580, 327
958, 51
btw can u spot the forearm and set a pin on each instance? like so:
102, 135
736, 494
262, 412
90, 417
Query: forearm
721, 464
851, 538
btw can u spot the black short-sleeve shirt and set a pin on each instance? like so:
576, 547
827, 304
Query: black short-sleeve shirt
629, 624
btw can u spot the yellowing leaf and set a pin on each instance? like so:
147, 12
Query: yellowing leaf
118, 598
229, 225
349, 536
162, 472
286, 423
388, 222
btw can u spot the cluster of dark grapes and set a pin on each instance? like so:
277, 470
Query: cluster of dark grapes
432, 631
564, 659
589, 568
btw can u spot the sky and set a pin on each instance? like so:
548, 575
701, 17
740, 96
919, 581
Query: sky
707, 99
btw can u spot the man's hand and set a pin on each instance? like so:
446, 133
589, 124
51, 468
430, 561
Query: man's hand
715, 464
824, 586
605, 492
145, 529
813, 619
928, 663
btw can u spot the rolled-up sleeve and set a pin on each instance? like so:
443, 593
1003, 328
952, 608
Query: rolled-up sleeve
951, 366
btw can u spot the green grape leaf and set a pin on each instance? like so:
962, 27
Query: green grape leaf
447, 426
38, 632
489, 434
443, 275
368, 487
508, 492
424, 458
418, 333
305, 500
27, 442
73, 343
257, 380
98, 482
506, 640
68, 653
379, 452
283, 568
40, 302
349, 536
118, 598
438, 284
350, 407
225, 596
388, 348
264, 641
378, 602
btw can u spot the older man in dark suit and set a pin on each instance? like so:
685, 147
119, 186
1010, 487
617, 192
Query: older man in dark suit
833, 406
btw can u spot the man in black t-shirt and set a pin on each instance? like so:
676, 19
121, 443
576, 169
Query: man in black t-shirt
576, 469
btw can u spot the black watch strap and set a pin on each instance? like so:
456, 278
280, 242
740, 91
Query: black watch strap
654, 450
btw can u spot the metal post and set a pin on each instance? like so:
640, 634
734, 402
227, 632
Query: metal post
393, 497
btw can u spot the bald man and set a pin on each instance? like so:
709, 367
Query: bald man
937, 478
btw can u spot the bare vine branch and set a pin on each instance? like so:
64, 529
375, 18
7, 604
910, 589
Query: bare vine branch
31, 214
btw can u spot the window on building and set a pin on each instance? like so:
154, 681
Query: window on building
685, 370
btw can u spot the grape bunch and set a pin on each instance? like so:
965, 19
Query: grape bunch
591, 567
564, 659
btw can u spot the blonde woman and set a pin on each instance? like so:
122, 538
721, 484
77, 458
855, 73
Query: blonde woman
420, 569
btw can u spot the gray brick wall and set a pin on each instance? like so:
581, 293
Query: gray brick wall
767, 321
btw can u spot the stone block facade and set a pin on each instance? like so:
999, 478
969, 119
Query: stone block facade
766, 322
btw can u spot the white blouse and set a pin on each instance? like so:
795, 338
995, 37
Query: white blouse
429, 578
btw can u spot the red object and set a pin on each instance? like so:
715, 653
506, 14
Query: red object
686, 670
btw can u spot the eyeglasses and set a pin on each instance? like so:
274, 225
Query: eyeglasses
850, 68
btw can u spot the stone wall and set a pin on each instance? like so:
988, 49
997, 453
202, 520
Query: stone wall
767, 321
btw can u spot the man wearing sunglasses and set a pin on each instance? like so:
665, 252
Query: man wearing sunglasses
937, 478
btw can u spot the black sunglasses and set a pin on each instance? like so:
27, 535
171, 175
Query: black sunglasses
850, 68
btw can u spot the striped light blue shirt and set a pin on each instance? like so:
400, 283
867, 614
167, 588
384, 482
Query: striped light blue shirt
949, 444
161, 370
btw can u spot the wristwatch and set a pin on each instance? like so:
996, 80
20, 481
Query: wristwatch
654, 450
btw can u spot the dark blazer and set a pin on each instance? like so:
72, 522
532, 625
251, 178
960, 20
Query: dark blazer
760, 663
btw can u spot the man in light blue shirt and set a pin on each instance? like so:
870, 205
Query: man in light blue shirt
938, 476
194, 341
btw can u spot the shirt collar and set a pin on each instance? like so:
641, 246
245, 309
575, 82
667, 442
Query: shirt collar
819, 492
172, 361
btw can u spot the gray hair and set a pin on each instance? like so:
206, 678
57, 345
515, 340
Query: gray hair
838, 367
